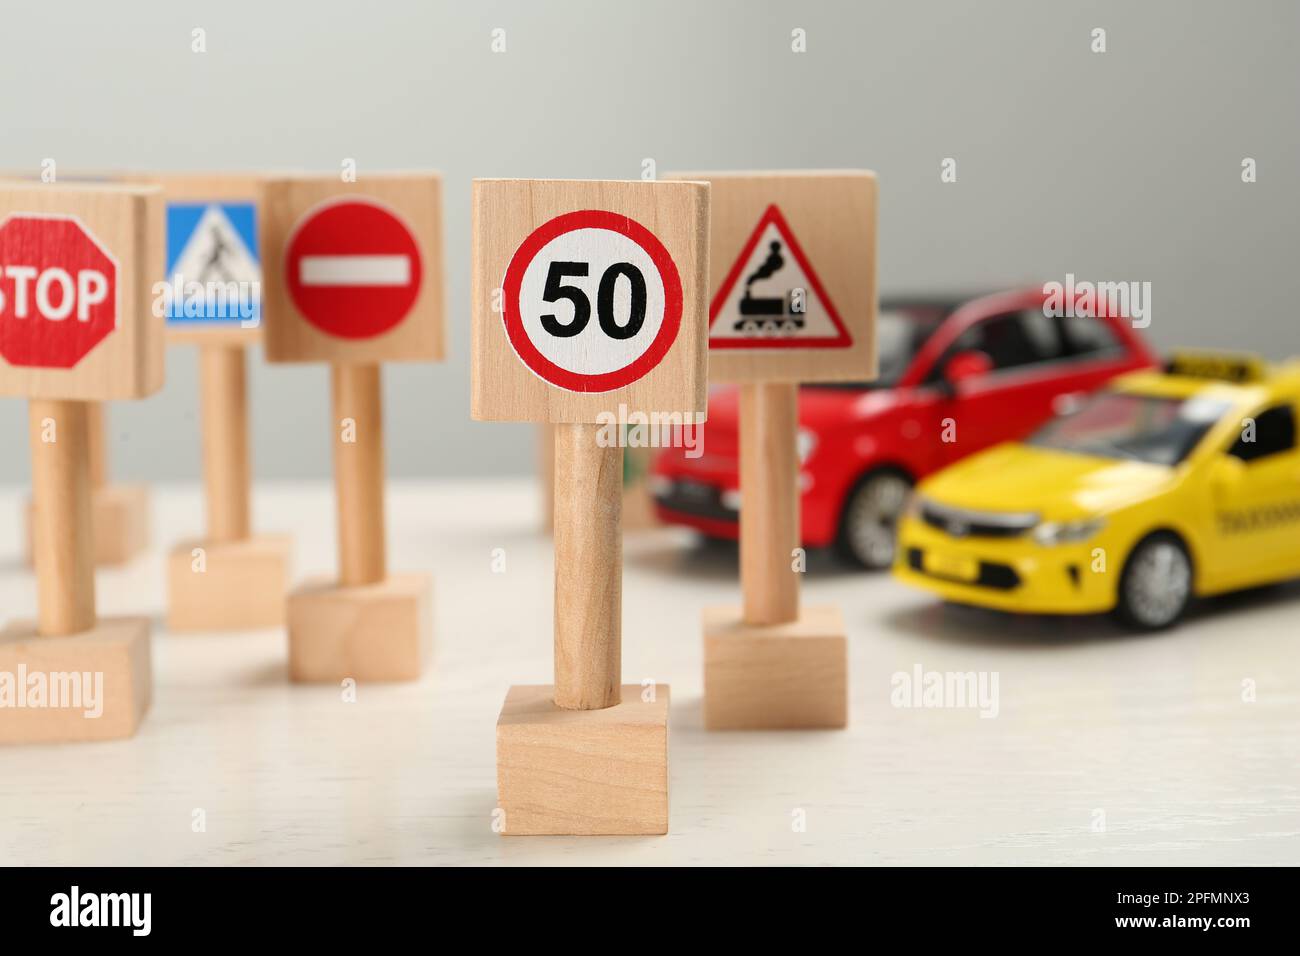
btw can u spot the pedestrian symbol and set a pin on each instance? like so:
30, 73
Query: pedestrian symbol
212, 257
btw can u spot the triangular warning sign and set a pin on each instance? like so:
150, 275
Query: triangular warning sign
772, 298
214, 244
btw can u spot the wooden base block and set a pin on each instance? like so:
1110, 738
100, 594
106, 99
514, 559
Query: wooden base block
120, 519
378, 632
231, 586
95, 685
583, 772
778, 676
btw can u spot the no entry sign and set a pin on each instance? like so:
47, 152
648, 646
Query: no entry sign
352, 268
58, 291
592, 301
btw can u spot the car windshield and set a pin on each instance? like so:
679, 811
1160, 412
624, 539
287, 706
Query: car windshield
900, 333
1149, 428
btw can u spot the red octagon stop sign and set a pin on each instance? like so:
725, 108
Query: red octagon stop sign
58, 291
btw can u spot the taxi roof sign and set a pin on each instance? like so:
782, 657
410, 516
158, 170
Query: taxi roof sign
1238, 368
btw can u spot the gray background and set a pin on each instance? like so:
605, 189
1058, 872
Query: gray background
1118, 166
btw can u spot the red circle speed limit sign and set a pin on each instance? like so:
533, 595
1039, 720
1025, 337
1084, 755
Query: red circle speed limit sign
591, 301
352, 267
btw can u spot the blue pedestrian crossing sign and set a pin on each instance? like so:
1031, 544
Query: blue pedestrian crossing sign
213, 270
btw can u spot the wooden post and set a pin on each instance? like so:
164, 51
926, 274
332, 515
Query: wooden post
224, 402
65, 570
359, 472
588, 569
769, 506
546, 471
97, 444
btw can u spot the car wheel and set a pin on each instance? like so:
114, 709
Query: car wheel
869, 525
1156, 586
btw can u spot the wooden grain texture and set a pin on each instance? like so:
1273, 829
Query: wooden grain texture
223, 401
127, 221
359, 473
65, 571
228, 585
417, 199
832, 214
506, 212
378, 632
776, 677
588, 569
769, 512
113, 653
97, 444
638, 503
208, 188
120, 524
583, 772
546, 473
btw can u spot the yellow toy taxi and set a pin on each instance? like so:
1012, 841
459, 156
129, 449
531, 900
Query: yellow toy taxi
1163, 486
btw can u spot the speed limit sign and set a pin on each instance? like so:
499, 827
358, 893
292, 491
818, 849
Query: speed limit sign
592, 301
589, 295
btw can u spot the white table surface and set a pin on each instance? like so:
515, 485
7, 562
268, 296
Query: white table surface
1150, 730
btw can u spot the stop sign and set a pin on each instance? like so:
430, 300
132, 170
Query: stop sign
58, 291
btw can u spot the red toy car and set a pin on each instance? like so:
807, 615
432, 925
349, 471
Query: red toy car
954, 379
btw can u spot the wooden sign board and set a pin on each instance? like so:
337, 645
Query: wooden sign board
212, 243
352, 272
793, 276
588, 296
78, 269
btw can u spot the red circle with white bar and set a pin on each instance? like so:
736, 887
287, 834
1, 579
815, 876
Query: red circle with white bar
353, 268
58, 290
592, 301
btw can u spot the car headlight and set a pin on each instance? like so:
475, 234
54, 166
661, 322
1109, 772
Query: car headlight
1067, 532
805, 441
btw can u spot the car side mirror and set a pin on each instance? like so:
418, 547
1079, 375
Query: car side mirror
965, 367
1227, 472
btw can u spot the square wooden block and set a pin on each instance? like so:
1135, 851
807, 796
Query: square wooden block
583, 772
103, 341
95, 685
227, 197
521, 369
228, 585
777, 676
379, 632
371, 219
791, 246
120, 522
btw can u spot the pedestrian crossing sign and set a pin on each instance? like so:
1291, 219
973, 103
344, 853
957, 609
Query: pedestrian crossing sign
214, 274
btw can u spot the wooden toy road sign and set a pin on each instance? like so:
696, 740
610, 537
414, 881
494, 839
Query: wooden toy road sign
77, 265
579, 296
588, 300
793, 284
77, 322
353, 271
353, 276
794, 299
